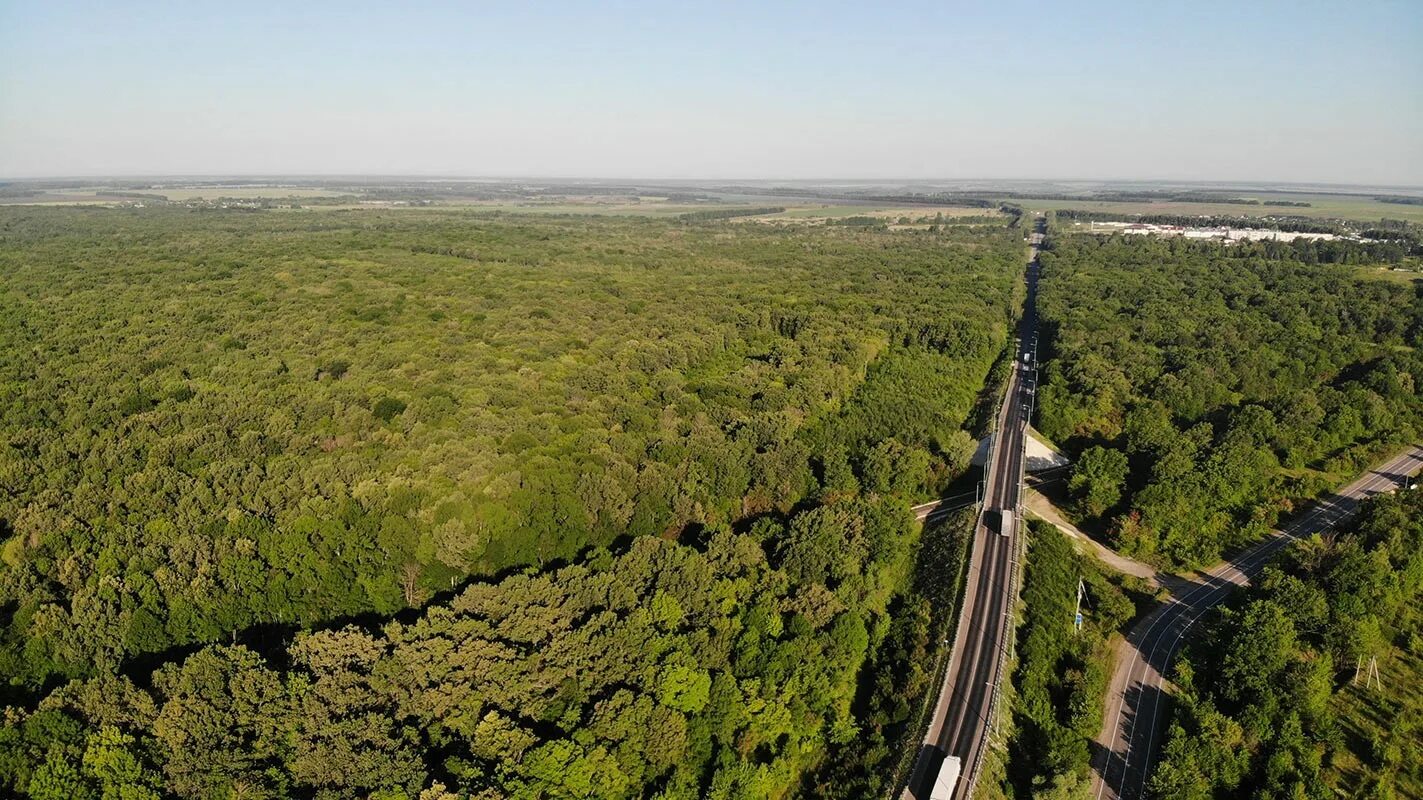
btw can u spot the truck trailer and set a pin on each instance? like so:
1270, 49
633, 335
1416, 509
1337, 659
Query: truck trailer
947, 779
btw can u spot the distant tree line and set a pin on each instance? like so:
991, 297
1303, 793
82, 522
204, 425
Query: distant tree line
156, 198
1150, 197
728, 213
858, 221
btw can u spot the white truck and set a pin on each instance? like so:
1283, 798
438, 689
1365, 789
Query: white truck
947, 779
1005, 522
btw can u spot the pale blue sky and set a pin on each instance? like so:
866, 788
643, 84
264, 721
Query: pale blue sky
1302, 91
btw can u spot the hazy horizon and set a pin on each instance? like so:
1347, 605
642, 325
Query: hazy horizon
966, 184
1273, 93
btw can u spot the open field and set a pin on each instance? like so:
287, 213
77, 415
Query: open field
883, 211
543, 197
1408, 272
238, 192
592, 205
65, 198
658, 207
95, 195
589, 204
825, 211
653, 208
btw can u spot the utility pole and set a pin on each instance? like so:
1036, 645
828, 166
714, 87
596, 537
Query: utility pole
1077, 615
1032, 398
1370, 672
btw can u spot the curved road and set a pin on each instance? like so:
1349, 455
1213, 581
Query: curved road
1123, 752
968, 697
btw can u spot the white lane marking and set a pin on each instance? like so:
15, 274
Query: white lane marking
1329, 509
1289, 535
1251, 559
1212, 584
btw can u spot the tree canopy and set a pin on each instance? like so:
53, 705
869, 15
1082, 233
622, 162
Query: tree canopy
1205, 387
399, 504
1264, 686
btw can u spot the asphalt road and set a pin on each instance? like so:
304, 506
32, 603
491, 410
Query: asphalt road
1124, 751
967, 698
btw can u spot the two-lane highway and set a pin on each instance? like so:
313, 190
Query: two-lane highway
967, 702
968, 699
1136, 697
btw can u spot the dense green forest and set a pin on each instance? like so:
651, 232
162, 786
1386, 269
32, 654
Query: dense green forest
1258, 714
902, 674
717, 671
634, 490
1206, 388
1061, 673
